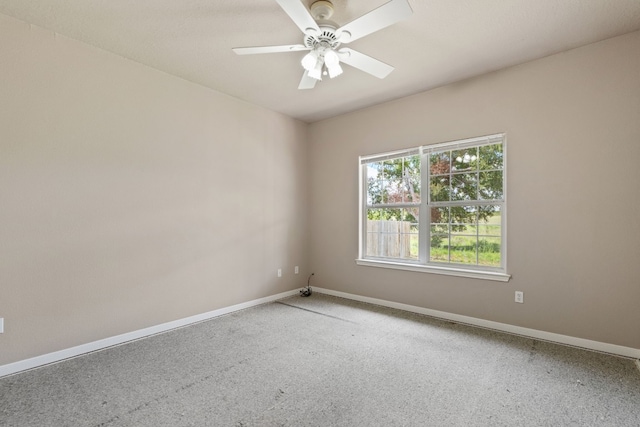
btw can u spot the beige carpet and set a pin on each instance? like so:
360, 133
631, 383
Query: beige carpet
326, 361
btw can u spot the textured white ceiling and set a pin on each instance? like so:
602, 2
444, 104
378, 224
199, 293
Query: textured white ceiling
444, 41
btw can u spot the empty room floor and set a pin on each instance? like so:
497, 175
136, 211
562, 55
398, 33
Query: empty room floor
327, 361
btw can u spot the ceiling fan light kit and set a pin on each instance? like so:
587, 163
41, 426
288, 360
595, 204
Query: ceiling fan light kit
322, 39
322, 53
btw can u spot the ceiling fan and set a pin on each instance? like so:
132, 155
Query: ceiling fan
322, 38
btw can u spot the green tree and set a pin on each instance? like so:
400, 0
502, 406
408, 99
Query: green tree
394, 181
473, 174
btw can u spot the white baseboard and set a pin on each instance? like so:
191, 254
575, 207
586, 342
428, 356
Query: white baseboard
619, 350
35, 362
57, 356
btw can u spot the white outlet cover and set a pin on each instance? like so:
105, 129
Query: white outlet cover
279, 272
1, 325
296, 270
519, 297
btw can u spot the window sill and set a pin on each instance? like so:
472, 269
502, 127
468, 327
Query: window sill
447, 271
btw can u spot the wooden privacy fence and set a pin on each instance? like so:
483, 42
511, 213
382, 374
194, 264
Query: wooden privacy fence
389, 239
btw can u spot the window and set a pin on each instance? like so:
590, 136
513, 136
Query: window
436, 208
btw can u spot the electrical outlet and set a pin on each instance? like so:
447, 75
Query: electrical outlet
296, 270
279, 272
1, 325
520, 297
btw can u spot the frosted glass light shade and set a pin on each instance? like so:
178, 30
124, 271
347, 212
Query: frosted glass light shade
310, 60
334, 70
316, 73
331, 58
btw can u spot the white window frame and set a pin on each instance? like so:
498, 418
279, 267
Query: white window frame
423, 264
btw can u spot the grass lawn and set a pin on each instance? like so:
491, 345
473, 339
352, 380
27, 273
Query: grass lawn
476, 245
462, 247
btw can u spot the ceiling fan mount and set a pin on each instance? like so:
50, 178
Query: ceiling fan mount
321, 10
322, 38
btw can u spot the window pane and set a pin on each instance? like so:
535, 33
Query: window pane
464, 186
463, 249
439, 251
439, 228
491, 185
440, 220
440, 163
489, 215
394, 181
489, 251
392, 233
414, 242
462, 217
464, 160
439, 188
392, 184
440, 217
374, 183
464, 226
489, 236
491, 157
412, 178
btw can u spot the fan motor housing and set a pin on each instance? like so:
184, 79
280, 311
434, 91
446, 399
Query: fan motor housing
326, 37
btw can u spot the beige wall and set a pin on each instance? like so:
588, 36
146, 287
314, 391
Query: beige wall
129, 198
573, 127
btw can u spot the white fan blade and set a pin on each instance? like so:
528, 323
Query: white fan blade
377, 19
299, 15
365, 63
269, 49
307, 82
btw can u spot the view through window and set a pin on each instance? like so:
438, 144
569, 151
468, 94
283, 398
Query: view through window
438, 205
